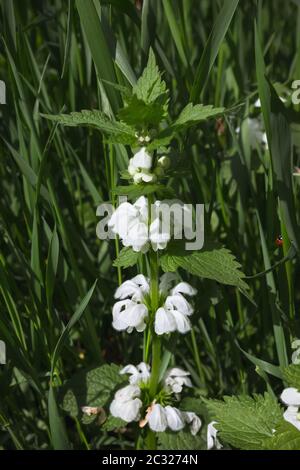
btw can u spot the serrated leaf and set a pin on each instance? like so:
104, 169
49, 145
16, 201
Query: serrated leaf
140, 114
291, 375
126, 258
215, 263
191, 114
118, 131
90, 388
244, 422
182, 440
286, 437
150, 86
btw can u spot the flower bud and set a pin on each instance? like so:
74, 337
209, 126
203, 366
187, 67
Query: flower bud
164, 162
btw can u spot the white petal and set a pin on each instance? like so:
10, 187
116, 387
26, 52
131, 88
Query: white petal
159, 234
144, 370
178, 302
119, 319
212, 440
290, 396
128, 411
127, 393
157, 419
175, 419
128, 289
176, 372
142, 159
135, 315
184, 288
141, 281
194, 420
183, 324
164, 322
291, 416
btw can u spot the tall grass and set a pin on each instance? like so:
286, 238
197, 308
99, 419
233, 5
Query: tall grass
75, 55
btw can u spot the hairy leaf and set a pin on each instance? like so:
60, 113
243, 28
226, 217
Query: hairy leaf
214, 263
182, 440
118, 131
191, 114
126, 258
291, 375
90, 388
150, 86
245, 422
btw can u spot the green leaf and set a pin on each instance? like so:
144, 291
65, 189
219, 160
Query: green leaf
244, 422
212, 47
57, 426
286, 437
100, 50
113, 423
214, 263
119, 131
126, 258
182, 440
52, 262
90, 388
150, 86
291, 375
191, 114
140, 114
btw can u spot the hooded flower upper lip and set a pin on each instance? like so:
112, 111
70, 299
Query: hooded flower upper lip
291, 398
175, 311
140, 166
176, 378
138, 374
131, 311
127, 404
212, 440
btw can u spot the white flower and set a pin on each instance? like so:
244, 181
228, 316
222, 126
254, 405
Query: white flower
140, 166
126, 404
257, 136
91, 410
164, 162
291, 398
157, 418
130, 312
194, 421
130, 222
296, 353
138, 374
212, 440
176, 378
173, 316
175, 418
160, 418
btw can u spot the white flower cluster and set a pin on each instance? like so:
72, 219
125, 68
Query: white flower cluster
127, 403
140, 166
131, 311
131, 222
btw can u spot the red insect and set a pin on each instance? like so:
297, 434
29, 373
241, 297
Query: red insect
279, 240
